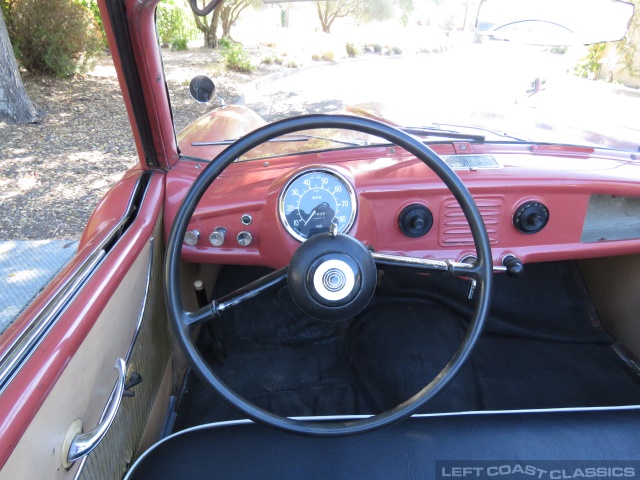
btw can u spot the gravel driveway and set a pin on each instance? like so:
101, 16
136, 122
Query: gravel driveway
53, 174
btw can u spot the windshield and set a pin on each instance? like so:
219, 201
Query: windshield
429, 68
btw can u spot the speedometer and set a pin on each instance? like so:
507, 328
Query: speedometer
313, 200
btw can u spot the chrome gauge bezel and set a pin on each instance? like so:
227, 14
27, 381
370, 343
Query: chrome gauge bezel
324, 171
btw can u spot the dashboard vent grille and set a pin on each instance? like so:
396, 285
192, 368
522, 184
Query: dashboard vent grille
454, 228
468, 162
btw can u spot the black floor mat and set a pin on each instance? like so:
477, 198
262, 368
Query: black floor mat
504, 372
543, 348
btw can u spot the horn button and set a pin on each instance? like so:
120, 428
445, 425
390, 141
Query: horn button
332, 278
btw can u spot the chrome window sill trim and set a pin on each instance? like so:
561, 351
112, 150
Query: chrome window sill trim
21, 350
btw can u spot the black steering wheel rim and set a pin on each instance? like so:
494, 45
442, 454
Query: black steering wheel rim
482, 271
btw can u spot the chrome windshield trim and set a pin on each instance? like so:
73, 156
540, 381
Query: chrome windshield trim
22, 348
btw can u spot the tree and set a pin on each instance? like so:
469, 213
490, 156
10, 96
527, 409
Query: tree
364, 10
209, 25
231, 10
406, 8
15, 105
629, 47
329, 11
56, 37
225, 13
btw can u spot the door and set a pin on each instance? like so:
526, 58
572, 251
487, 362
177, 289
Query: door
59, 390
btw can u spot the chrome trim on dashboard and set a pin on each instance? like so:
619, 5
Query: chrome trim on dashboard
471, 162
21, 350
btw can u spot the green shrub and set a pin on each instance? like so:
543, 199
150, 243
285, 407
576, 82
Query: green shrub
327, 56
180, 44
397, 51
590, 65
173, 23
54, 37
235, 57
267, 60
352, 51
377, 48
224, 43
315, 57
277, 61
292, 64
92, 6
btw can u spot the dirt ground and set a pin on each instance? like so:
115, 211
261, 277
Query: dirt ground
53, 173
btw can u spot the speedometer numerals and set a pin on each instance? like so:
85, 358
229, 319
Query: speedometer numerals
314, 200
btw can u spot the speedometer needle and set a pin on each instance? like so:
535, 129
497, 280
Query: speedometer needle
313, 212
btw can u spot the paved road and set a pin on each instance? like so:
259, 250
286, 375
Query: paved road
474, 84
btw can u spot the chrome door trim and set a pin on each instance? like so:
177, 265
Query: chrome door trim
144, 301
84, 443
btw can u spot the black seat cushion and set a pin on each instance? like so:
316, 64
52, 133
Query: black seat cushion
406, 450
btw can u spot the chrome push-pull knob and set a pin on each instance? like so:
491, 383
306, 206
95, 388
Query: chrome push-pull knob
217, 236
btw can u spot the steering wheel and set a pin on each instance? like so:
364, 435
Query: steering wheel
330, 274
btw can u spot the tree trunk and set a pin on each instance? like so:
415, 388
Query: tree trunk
230, 15
323, 15
225, 17
210, 30
213, 28
15, 105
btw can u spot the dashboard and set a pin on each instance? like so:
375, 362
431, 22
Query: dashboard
538, 203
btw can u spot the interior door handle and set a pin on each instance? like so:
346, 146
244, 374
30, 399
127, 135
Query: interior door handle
83, 443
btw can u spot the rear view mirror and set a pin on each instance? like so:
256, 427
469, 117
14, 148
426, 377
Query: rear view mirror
554, 22
202, 89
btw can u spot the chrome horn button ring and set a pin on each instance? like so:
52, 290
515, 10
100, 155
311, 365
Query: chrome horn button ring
334, 277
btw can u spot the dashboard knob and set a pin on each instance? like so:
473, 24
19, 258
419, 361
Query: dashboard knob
415, 220
217, 236
531, 217
515, 267
191, 237
244, 239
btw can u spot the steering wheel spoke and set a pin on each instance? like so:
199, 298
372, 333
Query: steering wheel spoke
202, 315
249, 291
428, 265
216, 308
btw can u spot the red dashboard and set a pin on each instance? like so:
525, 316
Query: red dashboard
589, 196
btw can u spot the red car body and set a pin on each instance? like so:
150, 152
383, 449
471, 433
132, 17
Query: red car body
50, 378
